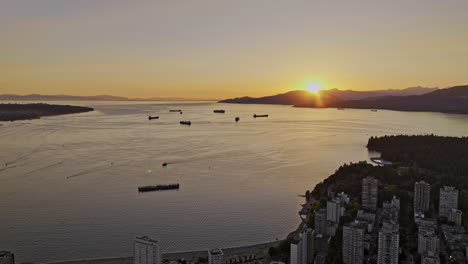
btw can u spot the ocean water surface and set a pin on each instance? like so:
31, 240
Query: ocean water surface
68, 184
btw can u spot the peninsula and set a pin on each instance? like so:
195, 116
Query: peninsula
411, 211
13, 112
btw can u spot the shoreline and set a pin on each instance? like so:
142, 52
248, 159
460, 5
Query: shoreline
17, 112
258, 250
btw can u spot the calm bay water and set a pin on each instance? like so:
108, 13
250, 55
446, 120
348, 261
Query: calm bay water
68, 184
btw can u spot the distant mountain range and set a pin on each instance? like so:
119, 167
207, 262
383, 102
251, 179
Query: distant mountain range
40, 97
302, 97
448, 100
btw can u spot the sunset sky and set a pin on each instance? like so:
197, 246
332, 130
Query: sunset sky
221, 49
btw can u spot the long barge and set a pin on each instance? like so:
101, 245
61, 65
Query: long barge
151, 188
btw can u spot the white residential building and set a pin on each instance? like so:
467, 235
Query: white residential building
307, 237
369, 193
296, 248
335, 210
353, 243
146, 251
422, 196
455, 216
215, 256
389, 243
448, 200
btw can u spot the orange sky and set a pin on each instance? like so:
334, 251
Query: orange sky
221, 49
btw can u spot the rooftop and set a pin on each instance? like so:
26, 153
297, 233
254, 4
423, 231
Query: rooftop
216, 251
146, 239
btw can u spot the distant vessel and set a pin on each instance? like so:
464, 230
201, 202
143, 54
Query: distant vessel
219, 111
237, 119
374, 110
151, 188
255, 116
164, 164
153, 117
175, 110
188, 123
340, 108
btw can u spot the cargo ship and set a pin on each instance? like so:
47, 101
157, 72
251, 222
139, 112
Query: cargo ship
255, 116
151, 188
175, 110
219, 111
237, 119
153, 117
188, 123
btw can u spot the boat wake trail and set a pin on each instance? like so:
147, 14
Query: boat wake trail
46, 167
4, 169
96, 169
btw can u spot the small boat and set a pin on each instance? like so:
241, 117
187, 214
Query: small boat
255, 116
188, 123
237, 119
164, 164
151, 188
175, 110
153, 117
374, 110
340, 108
219, 111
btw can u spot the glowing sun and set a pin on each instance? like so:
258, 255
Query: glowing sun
313, 87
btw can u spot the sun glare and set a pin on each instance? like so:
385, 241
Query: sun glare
313, 87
